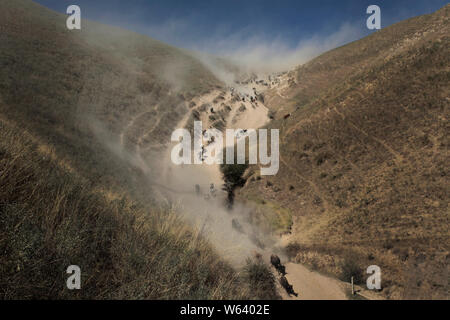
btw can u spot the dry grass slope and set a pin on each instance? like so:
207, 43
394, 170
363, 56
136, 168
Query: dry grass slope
52, 218
364, 158
76, 88
66, 198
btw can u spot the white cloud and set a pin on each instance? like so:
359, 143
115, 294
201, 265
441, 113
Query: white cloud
248, 48
270, 55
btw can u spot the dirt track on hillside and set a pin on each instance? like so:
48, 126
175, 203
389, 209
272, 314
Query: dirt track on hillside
311, 285
179, 181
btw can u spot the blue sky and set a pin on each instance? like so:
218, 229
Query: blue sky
233, 27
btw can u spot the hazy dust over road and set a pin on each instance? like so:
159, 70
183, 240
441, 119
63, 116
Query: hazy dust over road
206, 209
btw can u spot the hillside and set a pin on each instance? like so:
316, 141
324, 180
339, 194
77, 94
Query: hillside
86, 178
74, 107
364, 158
80, 90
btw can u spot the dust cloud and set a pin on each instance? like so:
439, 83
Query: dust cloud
229, 230
262, 56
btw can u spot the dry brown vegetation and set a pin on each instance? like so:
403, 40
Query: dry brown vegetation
65, 196
51, 218
364, 158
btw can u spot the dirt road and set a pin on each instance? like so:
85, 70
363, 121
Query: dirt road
311, 285
177, 182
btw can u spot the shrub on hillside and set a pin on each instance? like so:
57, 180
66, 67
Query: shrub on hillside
261, 280
350, 268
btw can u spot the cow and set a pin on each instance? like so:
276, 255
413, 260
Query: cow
237, 226
212, 190
197, 189
256, 241
281, 270
275, 260
285, 284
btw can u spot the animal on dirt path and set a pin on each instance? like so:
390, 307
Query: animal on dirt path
276, 262
288, 287
197, 190
237, 226
281, 270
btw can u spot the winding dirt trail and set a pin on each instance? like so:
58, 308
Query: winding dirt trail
177, 182
310, 285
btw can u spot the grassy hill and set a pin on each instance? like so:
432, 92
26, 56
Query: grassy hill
364, 158
67, 86
73, 106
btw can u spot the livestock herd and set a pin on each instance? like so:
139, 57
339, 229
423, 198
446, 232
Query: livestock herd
276, 262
